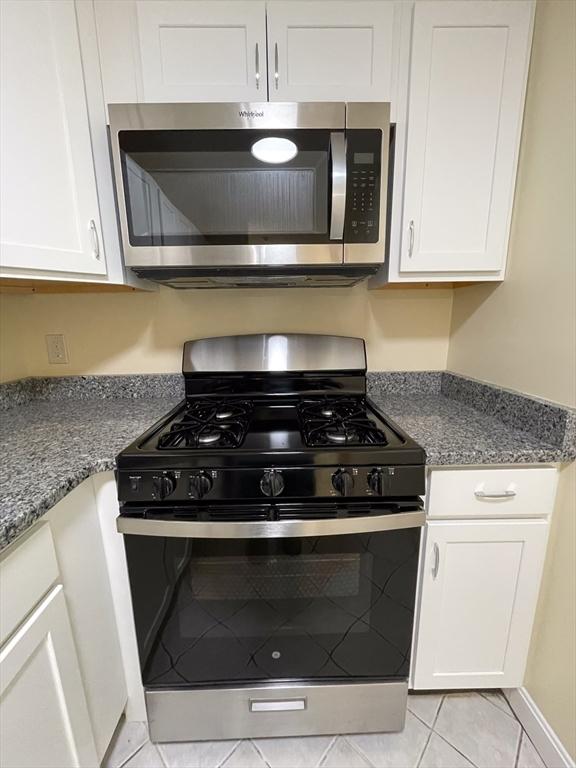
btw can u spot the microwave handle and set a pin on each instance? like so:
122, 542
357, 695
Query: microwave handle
338, 208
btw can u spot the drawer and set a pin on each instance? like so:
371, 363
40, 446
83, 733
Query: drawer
27, 571
492, 492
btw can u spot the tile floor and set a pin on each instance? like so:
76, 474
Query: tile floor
455, 730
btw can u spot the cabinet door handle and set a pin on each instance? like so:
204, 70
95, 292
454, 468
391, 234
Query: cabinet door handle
257, 63
436, 565
411, 240
276, 75
503, 495
95, 240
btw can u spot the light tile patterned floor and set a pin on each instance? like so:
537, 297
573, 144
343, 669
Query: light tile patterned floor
454, 730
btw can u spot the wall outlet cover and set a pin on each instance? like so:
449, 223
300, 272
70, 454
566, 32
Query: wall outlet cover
56, 347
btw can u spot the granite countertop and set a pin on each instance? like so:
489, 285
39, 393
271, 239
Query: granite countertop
57, 432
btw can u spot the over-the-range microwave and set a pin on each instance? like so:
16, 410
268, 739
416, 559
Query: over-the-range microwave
272, 194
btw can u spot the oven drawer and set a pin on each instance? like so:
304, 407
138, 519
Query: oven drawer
492, 493
276, 710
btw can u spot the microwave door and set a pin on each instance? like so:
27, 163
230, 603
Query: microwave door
338, 202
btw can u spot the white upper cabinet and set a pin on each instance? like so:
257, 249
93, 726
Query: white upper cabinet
468, 71
183, 50
49, 204
479, 589
333, 51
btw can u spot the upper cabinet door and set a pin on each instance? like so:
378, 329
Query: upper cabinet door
468, 73
49, 204
333, 51
202, 51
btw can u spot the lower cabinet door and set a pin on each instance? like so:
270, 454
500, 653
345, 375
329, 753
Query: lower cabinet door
43, 715
479, 587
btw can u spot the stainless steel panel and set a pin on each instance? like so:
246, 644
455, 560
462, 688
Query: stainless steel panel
338, 207
222, 116
266, 115
228, 255
257, 352
371, 115
273, 529
225, 713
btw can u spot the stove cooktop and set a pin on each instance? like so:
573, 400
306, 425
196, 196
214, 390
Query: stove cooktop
240, 426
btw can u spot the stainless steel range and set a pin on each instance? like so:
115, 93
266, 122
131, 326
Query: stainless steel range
272, 529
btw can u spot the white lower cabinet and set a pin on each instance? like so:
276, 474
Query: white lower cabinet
479, 586
79, 547
44, 719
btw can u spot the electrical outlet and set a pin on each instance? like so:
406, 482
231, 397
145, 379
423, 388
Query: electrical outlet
56, 346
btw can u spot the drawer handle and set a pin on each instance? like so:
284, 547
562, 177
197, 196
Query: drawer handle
503, 495
436, 565
277, 705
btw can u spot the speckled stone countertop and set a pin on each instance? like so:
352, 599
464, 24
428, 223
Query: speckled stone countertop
54, 433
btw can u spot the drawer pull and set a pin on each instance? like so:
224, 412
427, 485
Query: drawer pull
503, 495
277, 705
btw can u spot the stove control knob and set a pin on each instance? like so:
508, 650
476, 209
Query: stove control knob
200, 485
375, 481
272, 482
164, 485
343, 482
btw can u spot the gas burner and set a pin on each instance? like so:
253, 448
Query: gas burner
341, 436
338, 421
209, 423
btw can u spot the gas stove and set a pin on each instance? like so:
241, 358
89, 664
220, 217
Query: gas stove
284, 434
272, 524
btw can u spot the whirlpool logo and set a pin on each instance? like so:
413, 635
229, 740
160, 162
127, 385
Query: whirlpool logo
249, 113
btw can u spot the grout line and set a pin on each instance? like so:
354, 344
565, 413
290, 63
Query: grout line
140, 748
509, 712
328, 748
430, 732
430, 728
455, 749
232, 749
358, 750
517, 756
438, 712
116, 738
160, 755
251, 741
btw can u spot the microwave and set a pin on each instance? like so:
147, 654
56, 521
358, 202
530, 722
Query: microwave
252, 194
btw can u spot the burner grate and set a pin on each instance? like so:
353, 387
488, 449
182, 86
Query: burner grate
209, 424
338, 422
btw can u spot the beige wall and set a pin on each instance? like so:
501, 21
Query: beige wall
144, 332
522, 334
13, 357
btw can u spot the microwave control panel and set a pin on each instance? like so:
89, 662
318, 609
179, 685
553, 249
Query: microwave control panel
363, 180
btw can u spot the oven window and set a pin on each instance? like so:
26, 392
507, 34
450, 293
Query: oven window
211, 612
219, 187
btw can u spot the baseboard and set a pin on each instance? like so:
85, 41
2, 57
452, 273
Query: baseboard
541, 733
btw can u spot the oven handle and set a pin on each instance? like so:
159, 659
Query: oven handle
269, 529
338, 211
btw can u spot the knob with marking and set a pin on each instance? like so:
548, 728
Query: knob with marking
164, 485
272, 482
200, 485
376, 481
343, 482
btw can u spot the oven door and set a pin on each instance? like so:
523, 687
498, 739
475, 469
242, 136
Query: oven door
249, 603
